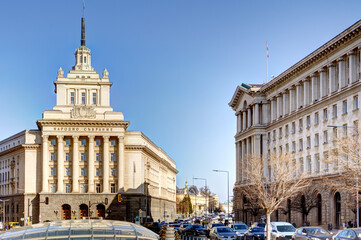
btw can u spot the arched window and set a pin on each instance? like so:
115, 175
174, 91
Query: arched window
100, 211
84, 59
66, 210
83, 211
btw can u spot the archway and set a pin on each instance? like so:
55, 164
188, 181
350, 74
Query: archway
319, 209
100, 211
337, 202
83, 211
66, 212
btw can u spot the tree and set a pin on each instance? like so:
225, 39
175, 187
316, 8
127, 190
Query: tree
185, 205
282, 182
304, 202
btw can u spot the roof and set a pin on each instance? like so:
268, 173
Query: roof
84, 229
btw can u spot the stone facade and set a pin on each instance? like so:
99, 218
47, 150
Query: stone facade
292, 113
82, 155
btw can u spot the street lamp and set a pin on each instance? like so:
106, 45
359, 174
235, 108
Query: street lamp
357, 191
206, 192
227, 188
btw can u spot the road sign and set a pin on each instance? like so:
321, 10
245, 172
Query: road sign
119, 197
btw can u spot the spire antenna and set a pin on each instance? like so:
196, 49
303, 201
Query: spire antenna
82, 41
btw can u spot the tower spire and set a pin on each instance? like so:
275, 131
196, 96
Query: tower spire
82, 41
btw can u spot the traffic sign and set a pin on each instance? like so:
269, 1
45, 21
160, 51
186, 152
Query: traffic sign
119, 197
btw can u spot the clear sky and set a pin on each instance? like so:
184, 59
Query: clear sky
174, 64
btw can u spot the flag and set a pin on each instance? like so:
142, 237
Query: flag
83, 5
267, 49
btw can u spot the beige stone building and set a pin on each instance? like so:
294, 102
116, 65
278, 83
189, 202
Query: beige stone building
81, 156
292, 112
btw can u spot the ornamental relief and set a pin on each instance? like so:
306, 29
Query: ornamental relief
80, 112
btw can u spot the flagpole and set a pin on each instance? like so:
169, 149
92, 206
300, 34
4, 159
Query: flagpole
267, 63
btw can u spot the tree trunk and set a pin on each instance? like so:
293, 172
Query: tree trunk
268, 225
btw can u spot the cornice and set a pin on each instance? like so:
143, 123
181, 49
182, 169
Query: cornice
42, 123
320, 53
20, 147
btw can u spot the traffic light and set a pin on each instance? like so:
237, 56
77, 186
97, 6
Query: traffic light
119, 197
46, 200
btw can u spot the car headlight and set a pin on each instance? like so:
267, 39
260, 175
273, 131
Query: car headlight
315, 238
284, 236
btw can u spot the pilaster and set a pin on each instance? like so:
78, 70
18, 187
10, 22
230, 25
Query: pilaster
45, 172
352, 66
75, 173
60, 161
106, 171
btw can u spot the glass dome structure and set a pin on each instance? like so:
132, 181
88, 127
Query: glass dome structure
82, 229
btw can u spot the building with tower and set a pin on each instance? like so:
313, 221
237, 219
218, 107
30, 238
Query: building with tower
82, 157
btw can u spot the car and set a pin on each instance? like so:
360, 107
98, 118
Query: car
194, 230
220, 233
347, 234
259, 224
239, 229
254, 233
282, 231
212, 225
306, 233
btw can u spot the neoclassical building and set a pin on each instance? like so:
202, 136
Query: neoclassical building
82, 156
293, 112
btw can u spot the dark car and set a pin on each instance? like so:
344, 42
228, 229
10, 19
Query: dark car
259, 224
212, 225
194, 230
348, 234
254, 233
305, 233
219, 233
154, 226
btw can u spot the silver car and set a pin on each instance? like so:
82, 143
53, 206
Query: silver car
222, 233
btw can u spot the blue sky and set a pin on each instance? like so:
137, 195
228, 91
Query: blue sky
174, 64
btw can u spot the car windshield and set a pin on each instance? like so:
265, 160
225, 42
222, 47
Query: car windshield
240, 227
217, 224
261, 225
257, 229
197, 226
286, 228
317, 231
224, 229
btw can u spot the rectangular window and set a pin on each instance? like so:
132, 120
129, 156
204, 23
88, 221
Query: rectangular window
300, 123
82, 172
308, 142
112, 172
325, 116
112, 157
268, 137
308, 119
287, 130
293, 146
301, 165
52, 142
94, 98
344, 128
287, 148
67, 188
83, 188
98, 188
112, 188
83, 142
355, 102
67, 156
52, 188
274, 135
52, 172
98, 157
325, 156
67, 142
334, 111
112, 143
316, 118
309, 164
334, 131
325, 137
83, 98
293, 127
318, 163
98, 172
317, 140
280, 132
52, 157
67, 172
300, 144
83, 157
72, 98
97, 142
344, 107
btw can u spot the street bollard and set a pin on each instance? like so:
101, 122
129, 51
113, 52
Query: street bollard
169, 233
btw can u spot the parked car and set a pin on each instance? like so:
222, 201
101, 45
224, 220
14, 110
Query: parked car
306, 233
220, 233
212, 225
154, 226
254, 233
194, 230
348, 234
282, 231
239, 229
259, 224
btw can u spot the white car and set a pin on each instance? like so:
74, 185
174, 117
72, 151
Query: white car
282, 231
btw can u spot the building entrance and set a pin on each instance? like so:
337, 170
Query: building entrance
66, 212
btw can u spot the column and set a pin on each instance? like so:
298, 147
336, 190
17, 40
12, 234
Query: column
244, 150
333, 85
292, 99
274, 109
323, 83
285, 102
244, 115
106, 171
75, 172
306, 92
237, 162
315, 90
279, 106
257, 144
238, 125
256, 114
91, 170
249, 117
266, 112
299, 101
60, 161
359, 65
45, 145
341, 72
121, 163
352, 66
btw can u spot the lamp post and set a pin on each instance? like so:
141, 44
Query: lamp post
357, 184
206, 192
227, 189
